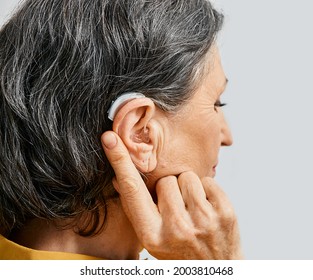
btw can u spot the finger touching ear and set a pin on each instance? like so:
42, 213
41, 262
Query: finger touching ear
135, 125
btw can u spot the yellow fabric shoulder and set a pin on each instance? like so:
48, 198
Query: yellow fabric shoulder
13, 251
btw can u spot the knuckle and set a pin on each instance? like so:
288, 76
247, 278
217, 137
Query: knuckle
185, 237
164, 183
228, 218
210, 223
207, 233
214, 226
128, 186
186, 232
207, 181
180, 231
151, 241
117, 159
166, 180
228, 214
187, 175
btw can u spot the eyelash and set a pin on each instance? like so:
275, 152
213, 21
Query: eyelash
218, 103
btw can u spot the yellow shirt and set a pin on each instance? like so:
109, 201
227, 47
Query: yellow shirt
13, 251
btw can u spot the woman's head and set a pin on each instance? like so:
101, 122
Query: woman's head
62, 63
162, 144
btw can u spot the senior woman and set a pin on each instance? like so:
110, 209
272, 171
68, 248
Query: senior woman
110, 126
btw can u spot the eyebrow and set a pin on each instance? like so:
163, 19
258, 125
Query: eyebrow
225, 85
226, 82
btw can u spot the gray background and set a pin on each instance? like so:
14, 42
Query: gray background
266, 47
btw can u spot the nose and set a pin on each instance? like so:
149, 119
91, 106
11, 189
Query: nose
227, 138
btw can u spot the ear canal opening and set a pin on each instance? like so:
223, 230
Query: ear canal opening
141, 136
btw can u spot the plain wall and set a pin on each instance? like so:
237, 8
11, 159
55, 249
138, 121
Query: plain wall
266, 48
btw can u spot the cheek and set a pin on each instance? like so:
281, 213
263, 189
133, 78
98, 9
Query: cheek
211, 141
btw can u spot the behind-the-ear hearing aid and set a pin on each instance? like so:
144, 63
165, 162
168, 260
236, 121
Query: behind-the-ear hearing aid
120, 101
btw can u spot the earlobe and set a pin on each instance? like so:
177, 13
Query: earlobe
134, 123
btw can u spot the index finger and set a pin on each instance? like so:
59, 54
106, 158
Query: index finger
135, 197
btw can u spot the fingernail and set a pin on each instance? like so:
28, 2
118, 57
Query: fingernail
109, 140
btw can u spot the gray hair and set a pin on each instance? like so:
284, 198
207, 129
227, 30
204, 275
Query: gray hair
62, 62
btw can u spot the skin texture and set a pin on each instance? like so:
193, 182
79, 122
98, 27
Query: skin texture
190, 217
169, 202
196, 133
161, 144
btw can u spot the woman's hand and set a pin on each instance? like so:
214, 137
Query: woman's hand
192, 219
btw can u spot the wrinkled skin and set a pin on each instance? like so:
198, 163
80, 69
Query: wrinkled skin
192, 219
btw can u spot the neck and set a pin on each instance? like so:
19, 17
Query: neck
117, 240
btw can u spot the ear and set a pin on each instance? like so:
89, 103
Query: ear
135, 124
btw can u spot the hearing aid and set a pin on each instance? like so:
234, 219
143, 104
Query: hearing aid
120, 101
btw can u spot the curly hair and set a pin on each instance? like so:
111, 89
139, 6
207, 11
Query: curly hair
62, 62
